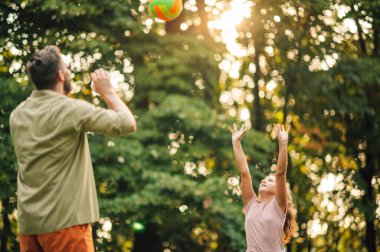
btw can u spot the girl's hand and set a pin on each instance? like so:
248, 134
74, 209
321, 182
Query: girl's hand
237, 135
282, 134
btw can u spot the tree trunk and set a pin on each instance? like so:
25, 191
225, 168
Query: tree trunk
257, 119
367, 174
376, 39
370, 238
362, 45
203, 28
285, 110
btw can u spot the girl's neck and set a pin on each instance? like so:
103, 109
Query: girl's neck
265, 198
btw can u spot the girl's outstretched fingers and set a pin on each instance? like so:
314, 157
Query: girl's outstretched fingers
237, 135
231, 130
242, 127
288, 128
282, 133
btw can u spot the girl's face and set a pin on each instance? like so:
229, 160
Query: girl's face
268, 185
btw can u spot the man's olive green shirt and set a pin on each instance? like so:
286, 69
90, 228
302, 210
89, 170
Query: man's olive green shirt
55, 183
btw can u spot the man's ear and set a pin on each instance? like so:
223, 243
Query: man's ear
61, 76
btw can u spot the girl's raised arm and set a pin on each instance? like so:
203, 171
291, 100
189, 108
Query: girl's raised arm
241, 161
282, 164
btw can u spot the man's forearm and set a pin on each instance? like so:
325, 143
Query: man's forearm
114, 102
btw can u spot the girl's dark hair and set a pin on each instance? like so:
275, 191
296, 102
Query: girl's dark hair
43, 67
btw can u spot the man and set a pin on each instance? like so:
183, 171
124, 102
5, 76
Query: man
56, 193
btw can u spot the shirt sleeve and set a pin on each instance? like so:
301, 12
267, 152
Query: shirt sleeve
246, 207
278, 209
89, 118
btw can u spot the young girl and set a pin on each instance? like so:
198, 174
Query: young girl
270, 217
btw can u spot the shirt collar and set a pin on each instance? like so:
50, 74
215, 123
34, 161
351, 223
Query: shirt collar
44, 92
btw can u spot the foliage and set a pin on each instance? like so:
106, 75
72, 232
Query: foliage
173, 183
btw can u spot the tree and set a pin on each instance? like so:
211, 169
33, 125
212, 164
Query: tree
303, 66
12, 93
176, 100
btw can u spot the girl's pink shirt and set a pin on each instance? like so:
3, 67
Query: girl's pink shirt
264, 223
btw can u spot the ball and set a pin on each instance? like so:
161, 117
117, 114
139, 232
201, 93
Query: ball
165, 9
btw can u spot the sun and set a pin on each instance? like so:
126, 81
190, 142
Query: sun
229, 19
227, 23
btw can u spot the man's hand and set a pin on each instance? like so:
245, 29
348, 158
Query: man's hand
237, 135
282, 134
101, 82
102, 85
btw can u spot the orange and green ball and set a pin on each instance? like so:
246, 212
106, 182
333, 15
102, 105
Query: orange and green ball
165, 9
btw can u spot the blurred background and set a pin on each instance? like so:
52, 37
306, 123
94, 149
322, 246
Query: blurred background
173, 185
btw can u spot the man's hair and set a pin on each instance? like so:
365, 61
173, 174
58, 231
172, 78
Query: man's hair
43, 67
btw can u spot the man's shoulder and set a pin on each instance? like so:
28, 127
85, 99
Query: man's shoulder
59, 101
70, 102
76, 103
18, 108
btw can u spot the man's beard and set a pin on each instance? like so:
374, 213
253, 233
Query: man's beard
67, 83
